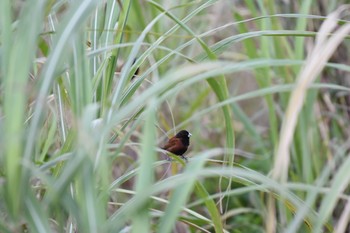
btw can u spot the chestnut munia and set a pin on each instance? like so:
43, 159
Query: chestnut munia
179, 143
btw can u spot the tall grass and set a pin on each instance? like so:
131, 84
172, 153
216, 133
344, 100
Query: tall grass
261, 85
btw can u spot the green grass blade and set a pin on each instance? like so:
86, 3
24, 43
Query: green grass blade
15, 84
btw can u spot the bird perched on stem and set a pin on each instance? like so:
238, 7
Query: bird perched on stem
178, 144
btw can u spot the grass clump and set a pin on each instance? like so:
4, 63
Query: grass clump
91, 90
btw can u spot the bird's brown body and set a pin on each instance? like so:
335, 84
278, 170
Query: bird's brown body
178, 144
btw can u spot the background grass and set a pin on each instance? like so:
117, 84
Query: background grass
263, 86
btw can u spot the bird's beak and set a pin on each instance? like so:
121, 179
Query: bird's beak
189, 135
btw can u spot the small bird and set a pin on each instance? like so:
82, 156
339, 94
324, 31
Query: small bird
179, 143
137, 70
120, 67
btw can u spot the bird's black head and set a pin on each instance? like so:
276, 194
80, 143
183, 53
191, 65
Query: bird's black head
185, 137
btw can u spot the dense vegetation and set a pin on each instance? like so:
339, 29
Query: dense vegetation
91, 90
